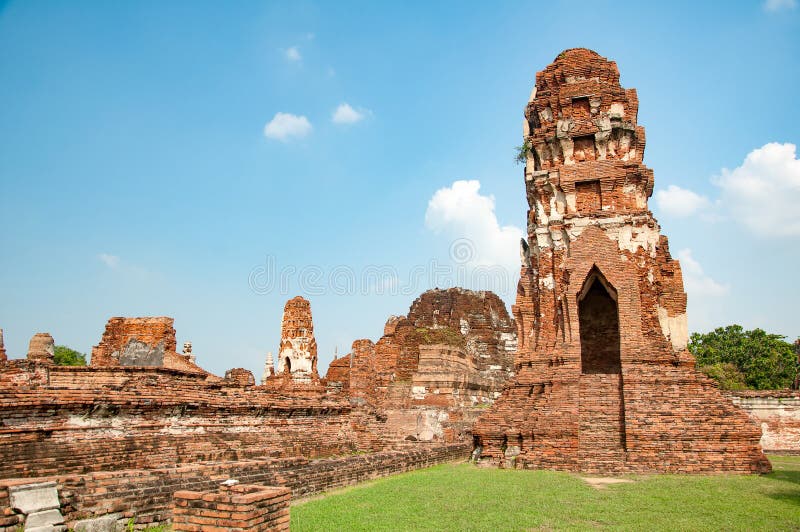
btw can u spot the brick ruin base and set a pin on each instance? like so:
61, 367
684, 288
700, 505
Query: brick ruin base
241, 507
146, 495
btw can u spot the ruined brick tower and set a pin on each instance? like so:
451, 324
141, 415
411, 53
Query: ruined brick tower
604, 382
297, 356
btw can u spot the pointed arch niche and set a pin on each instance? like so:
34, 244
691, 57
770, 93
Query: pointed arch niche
598, 316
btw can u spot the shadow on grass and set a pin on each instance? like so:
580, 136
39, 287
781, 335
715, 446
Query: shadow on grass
785, 472
791, 496
785, 475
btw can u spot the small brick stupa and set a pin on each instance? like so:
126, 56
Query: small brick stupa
3, 356
604, 381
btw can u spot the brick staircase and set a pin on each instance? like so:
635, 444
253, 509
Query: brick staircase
602, 439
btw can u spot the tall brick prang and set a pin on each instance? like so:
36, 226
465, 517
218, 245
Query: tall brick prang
297, 356
604, 382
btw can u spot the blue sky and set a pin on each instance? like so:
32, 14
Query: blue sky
162, 158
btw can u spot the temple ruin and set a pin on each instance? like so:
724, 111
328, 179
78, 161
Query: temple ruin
143, 417
603, 382
589, 373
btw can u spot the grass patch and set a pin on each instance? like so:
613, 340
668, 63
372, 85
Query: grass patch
440, 335
464, 497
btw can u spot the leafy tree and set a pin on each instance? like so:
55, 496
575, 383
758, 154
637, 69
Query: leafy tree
764, 361
64, 356
726, 374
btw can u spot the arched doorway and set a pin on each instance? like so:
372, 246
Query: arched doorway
598, 317
287, 365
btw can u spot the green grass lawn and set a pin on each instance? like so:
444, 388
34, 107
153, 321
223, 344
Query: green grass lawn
464, 497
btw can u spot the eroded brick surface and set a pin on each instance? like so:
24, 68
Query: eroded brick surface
434, 369
604, 381
144, 342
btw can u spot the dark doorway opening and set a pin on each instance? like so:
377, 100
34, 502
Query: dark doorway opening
598, 317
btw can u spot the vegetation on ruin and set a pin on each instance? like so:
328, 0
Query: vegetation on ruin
440, 335
522, 153
464, 497
740, 359
65, 356
131, 527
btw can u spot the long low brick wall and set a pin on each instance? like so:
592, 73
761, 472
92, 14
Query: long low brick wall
60, 420
778, 414
146, 495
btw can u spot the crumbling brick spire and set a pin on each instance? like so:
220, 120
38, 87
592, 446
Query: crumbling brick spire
297, 355
604, 381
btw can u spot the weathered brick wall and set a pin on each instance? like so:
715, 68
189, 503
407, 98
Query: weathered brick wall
80, 419
146, 495
778, 414
604, 382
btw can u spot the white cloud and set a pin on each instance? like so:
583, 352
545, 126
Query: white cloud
695, 280
345, 114
764, 192
284, 126
461, 212
774, 6
680, 202
293, 54
112, 261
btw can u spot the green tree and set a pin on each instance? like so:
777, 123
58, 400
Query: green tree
733, 357
64, 356
726, 374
